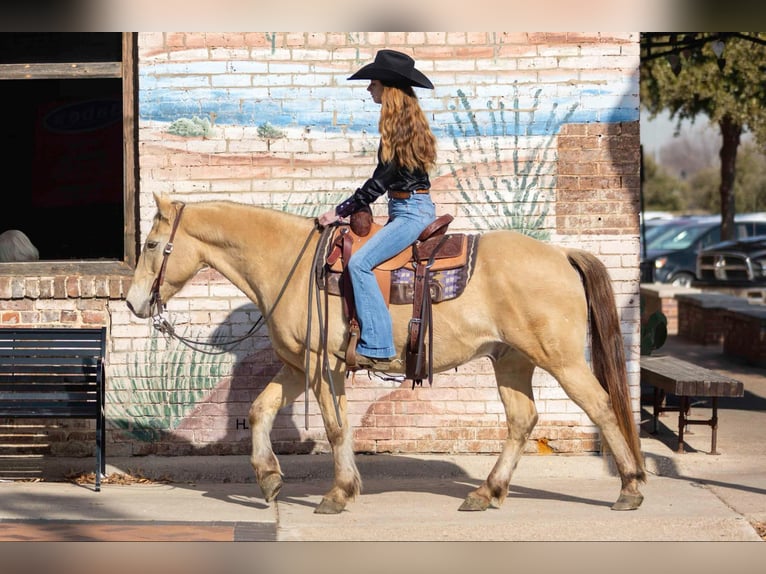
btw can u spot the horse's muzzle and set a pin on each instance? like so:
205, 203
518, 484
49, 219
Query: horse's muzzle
143, 311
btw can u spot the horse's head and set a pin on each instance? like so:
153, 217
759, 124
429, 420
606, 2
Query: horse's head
166, 263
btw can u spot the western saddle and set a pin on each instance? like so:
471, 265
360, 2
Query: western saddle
434, 268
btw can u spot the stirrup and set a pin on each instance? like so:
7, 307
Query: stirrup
375, 364
370, 363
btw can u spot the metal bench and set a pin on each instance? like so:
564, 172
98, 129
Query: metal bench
686, 380
55, 373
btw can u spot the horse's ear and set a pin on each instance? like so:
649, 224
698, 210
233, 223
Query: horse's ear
163, 205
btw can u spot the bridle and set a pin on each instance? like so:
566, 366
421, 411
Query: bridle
155, 300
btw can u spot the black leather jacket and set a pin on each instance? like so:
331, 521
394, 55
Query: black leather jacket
387, 176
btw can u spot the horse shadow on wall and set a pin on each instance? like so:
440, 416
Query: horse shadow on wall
195, 399
224, 391
190, 398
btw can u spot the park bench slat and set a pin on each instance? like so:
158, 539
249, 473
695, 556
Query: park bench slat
55, 373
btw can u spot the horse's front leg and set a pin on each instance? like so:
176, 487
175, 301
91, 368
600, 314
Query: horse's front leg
347, 483
280, 392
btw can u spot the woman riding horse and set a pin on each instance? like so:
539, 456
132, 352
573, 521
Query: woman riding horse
406, 153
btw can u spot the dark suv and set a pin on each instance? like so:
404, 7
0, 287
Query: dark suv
737, 263
671, 257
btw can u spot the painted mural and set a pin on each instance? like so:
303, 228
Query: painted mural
497, 168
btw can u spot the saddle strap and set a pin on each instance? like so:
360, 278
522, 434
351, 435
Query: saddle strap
353, 339
417, 367
347, 290
349, 306
418, 296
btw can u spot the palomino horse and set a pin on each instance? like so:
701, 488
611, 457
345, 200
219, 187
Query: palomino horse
527, 305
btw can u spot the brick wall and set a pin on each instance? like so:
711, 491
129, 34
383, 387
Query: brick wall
745, 334
537, 132
597, 179
701, 323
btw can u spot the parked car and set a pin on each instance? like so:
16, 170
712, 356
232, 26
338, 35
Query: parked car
671, 256
654, 227
736, 263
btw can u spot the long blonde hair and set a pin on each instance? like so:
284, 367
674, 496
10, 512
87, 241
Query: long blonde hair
405, 134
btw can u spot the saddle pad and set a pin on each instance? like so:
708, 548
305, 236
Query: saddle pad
444, 284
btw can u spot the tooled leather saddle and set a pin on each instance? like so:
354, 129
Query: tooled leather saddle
435, 268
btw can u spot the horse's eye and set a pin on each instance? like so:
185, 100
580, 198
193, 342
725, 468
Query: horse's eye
152, 244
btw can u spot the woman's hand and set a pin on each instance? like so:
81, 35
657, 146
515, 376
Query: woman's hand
328, 218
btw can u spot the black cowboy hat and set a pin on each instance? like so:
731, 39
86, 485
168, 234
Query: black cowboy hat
392, 67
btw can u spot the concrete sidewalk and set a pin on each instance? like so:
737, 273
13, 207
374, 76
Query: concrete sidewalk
688, 497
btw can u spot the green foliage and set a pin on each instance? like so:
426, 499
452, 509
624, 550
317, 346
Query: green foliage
654, 332
662, 191
491, 200
702, 87
193, 127
155, 392
749, 184
269, 132
704, 192
727, 87
310, 205
750, 181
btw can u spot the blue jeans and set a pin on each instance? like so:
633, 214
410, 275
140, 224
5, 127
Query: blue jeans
407, 219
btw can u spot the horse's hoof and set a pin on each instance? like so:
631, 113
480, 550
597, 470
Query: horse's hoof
329, 506
628, 502
270, 486
473, 503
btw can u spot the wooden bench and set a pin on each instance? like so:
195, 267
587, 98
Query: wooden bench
686, 380
55, 373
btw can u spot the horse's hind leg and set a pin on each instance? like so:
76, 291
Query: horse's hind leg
280, 392
514, 379
584, 389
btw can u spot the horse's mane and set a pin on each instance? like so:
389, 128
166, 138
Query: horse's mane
237, 205
242, 216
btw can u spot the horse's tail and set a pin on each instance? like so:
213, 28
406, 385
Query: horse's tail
607, 350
